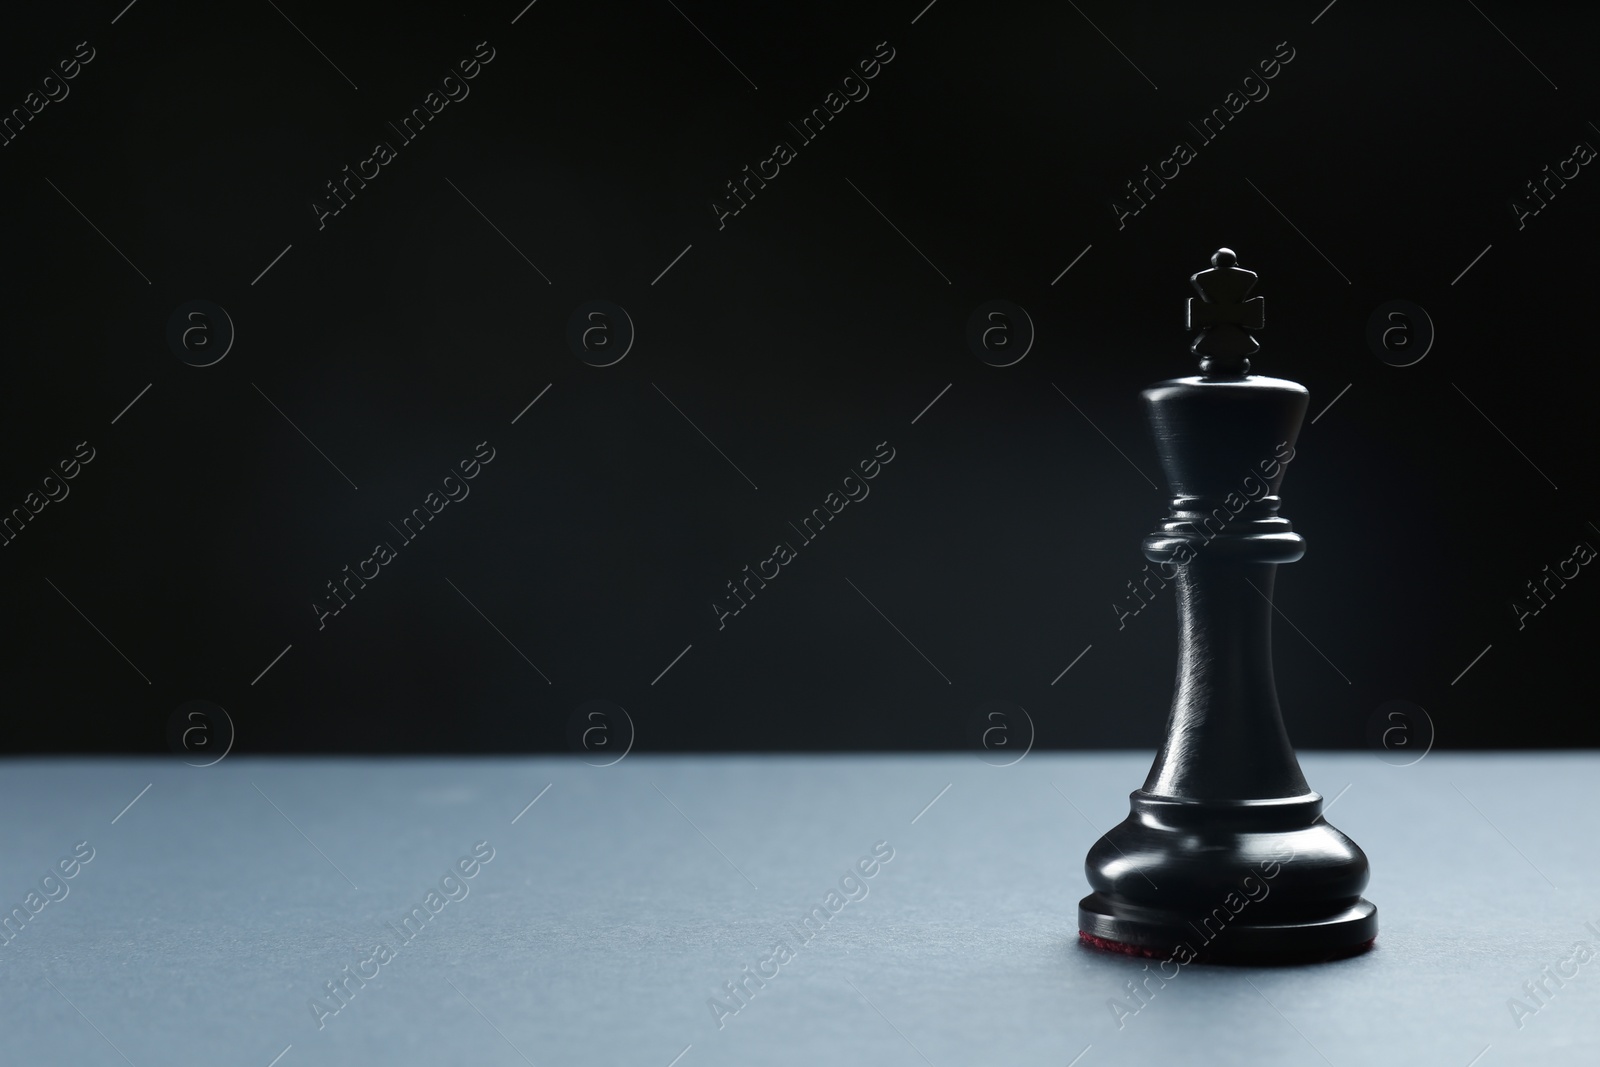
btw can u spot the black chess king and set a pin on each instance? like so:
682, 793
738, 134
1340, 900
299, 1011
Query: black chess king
1225, 854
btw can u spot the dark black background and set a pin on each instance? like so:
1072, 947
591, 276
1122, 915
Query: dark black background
797, 338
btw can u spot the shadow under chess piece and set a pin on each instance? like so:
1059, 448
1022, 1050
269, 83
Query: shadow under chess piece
1225, 855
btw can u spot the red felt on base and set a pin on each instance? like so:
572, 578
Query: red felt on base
1107, 945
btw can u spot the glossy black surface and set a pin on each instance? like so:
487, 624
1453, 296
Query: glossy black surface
1225, 853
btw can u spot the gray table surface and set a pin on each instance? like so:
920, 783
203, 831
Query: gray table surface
217, 906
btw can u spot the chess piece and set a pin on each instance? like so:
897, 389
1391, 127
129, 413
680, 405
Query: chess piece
1225, 854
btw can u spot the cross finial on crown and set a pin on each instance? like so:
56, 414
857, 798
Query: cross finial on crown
1222, 315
